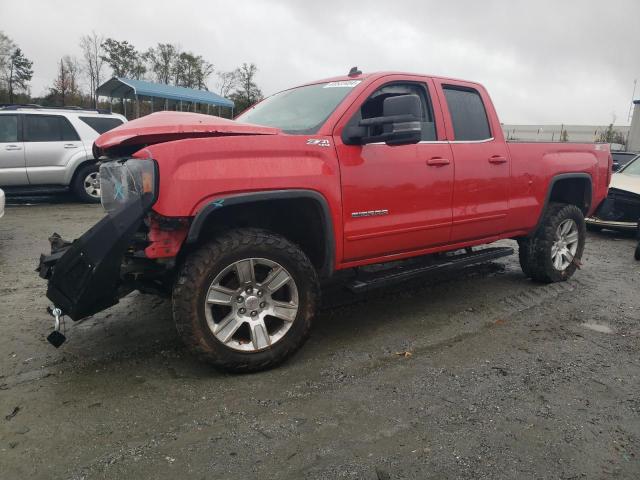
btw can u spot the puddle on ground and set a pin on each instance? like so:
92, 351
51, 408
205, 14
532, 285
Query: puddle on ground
597, 327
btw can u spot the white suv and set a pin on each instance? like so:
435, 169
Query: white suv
50, 149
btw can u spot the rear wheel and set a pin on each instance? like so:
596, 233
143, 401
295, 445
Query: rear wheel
553, 253
245, 301
86, 183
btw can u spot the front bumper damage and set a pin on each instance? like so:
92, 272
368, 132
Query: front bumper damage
84, 275
89, 274
619, 211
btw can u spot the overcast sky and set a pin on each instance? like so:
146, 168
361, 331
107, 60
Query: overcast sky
542, 61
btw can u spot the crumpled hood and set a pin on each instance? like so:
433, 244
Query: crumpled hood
167, 126
623, 181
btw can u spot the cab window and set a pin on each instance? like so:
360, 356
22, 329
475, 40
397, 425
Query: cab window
468, 114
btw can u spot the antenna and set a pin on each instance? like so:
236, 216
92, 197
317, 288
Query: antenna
635, 82
354, 72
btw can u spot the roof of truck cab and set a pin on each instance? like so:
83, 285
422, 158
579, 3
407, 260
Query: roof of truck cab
371, 76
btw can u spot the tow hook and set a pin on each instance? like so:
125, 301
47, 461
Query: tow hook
56, 338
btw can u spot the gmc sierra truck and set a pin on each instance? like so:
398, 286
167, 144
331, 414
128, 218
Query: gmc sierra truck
240, 222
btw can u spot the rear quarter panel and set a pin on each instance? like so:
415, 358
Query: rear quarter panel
534, 166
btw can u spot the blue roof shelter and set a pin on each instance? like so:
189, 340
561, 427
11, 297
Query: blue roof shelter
176, 97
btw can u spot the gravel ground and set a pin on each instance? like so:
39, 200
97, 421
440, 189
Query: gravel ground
502, 378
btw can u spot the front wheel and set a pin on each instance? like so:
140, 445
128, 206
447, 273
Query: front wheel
244, 302
86, 183
553, 253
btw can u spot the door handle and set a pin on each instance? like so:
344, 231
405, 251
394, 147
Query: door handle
13, 147
70, 145
497, 159
438, 161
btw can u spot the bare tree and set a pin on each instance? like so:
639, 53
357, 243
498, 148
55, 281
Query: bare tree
247, 92
6, 49
227, 81
65, 86
93, 56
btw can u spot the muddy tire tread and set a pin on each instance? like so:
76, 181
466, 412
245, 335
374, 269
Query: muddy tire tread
534, 252
197, 266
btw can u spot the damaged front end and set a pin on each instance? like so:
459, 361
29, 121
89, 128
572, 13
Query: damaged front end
620, 211
94, 271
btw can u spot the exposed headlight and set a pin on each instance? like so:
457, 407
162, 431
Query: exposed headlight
123, 182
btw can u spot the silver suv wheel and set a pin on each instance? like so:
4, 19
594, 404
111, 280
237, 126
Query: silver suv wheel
92, 184
251, 304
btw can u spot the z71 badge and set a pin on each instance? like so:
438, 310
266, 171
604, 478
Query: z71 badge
320, 142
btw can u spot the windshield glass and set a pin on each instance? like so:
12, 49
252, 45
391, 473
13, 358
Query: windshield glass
632, 168
300, 110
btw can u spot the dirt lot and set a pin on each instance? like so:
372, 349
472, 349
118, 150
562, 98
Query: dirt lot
503, 379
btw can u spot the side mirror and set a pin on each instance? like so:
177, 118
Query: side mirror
399, 124
406, 110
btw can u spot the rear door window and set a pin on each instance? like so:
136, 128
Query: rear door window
101, 124
468, 114
8, 128
48, 128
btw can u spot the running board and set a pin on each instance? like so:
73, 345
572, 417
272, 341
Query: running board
433, 263
31, 190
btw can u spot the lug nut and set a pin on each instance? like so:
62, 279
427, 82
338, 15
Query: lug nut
259, 293
263, 304
254, 313
249, 290
242, 310
240, 299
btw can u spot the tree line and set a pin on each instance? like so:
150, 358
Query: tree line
78, 77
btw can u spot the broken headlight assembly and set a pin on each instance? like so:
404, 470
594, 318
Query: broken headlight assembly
127, 181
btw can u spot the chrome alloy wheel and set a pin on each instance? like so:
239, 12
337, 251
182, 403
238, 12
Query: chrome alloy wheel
565, 245
92, 184
251, 304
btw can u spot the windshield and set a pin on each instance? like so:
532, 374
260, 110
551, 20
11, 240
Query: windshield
633, 167
300, 110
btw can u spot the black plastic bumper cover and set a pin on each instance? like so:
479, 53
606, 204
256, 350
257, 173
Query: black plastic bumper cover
84, 275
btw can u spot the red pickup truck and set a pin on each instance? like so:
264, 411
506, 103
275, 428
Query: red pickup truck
240, 221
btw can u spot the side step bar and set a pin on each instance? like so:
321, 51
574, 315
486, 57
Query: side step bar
434, 263
32, 190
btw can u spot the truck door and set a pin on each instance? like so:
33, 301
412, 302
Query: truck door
50, 142
481, 186
395, 198
13, 170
